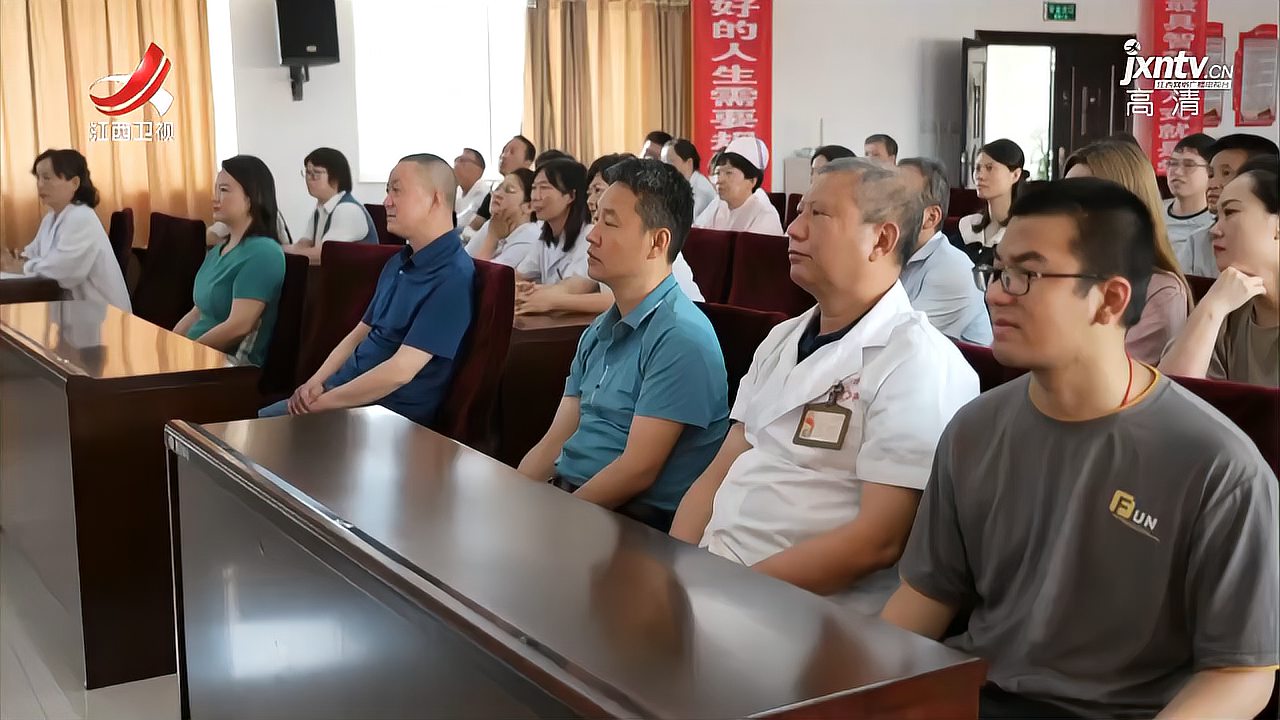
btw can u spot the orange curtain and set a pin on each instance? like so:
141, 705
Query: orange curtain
51, 51
600, 74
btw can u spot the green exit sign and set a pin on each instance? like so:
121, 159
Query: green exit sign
1061, 12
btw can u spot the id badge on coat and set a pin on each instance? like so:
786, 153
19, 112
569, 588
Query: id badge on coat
825, 424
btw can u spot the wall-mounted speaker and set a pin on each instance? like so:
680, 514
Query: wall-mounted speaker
308, 32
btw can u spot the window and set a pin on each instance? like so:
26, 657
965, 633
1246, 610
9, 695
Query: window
436, 76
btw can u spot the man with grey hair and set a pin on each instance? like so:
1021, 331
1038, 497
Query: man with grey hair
938, 277
837, 418
401, 354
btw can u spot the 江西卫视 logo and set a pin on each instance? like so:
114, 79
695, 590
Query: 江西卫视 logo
141, 87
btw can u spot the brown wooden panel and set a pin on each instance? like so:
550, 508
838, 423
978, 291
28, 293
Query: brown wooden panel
101, 384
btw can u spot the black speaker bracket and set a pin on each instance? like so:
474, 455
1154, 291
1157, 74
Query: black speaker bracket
298, 74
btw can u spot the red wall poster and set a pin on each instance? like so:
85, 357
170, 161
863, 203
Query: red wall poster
732, 74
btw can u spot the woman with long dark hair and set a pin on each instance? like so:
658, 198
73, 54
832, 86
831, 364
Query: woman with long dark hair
70, 245
560, 202
999, 174
237, 291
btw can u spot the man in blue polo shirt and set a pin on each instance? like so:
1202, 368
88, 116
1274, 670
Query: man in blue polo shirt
646, 404
401, 355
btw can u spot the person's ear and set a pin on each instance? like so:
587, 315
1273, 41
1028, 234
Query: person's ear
75, 183
887, 238
661, 239
1116, 295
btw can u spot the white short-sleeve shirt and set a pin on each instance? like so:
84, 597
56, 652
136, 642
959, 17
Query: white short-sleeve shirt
549, 264
904, 381
347, 224
511, 250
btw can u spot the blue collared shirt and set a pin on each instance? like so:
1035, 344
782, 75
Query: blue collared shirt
939, 282
423, 300
663, 361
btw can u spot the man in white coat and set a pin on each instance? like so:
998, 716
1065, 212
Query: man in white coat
838, 417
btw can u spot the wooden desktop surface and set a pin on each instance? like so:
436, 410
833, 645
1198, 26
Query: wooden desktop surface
661, 628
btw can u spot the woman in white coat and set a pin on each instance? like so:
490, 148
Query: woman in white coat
742, 205
70, 246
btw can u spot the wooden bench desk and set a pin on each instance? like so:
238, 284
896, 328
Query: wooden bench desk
356, 565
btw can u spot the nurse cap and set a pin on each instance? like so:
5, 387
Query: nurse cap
751, 148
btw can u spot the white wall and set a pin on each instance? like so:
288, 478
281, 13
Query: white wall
894, 66
272, 126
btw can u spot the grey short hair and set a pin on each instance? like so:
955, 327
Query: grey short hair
438, 173
937, 189
884, 195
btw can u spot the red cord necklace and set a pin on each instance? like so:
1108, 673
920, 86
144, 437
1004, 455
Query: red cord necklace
1129, 387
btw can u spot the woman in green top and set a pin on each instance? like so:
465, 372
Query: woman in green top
237, 290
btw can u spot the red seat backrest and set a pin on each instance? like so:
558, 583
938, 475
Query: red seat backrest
964, 201
466, 414
175, 251
120, 232
793, 209
1199, 286
779, 201
761, 276
348, 277
379, 215
740, 331
709, 254
279, 372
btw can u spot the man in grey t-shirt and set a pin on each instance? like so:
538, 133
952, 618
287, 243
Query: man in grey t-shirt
1116, 539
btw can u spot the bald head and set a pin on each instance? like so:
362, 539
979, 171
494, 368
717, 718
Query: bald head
436, 173
420, 198
883, 195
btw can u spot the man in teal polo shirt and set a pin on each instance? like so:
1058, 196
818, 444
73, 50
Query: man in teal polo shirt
646, 404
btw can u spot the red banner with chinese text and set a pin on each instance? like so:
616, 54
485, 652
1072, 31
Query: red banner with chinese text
1169, 27
732, 74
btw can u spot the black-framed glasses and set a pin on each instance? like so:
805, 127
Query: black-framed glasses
1187, 165
1016, 281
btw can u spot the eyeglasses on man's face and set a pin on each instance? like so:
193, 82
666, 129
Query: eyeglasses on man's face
1017, 281
1183, 165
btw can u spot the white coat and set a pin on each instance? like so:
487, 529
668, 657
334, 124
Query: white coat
757, 215
71, 247
904, 382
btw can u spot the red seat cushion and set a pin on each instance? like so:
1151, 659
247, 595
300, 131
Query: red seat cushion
761, 276
709, 253
466, 414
